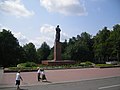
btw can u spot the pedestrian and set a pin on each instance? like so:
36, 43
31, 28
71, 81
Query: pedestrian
43, 75
38, 74
18, 78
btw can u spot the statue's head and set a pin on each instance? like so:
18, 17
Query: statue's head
57, 25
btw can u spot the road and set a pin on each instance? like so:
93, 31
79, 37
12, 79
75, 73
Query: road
111, 83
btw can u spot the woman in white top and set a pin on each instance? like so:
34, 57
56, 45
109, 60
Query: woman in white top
38, 74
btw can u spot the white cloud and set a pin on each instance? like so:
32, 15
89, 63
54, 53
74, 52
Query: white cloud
49, 29
39, 40
14, 7
0, 26
47, 34
66, 7
21, 38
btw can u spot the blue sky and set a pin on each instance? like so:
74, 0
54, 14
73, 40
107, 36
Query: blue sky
35, 20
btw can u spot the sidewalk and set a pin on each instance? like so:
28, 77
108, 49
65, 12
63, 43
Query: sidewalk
1, 74
59, 76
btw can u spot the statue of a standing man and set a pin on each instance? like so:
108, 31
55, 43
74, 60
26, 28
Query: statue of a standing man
57, 39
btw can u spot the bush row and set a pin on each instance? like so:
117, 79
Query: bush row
31, 66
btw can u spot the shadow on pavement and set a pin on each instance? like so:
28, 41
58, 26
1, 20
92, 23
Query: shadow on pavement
47, 81
21, 89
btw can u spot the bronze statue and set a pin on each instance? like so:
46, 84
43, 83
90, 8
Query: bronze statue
57, 39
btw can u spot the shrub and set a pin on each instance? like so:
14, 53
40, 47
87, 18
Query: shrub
27, 64
30, 64
103, 65
87, 64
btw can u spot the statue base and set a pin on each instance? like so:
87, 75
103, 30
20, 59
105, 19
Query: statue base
57, 57
58, 62
57, 51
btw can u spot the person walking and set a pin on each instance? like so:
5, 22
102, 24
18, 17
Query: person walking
18, 78
38, 74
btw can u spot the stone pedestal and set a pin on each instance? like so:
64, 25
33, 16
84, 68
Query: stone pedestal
58, 62
57, 57
57, 51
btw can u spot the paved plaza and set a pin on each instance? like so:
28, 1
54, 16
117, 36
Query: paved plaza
58, 76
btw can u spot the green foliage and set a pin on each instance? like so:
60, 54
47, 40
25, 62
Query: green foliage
114, 42
43, 52
27, 64
101, 45
30, 52
86, 64
51, 55
9, 49
79, 48
103, 65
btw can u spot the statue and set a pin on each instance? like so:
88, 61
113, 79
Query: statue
57, 39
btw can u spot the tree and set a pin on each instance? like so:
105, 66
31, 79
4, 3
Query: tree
63, 48
101, 45
114, 42
86, 42
79, 48
43, 52
22, 55
9, 49
51, 55
30, 51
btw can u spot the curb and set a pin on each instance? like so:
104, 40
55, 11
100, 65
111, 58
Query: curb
110, 67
